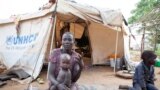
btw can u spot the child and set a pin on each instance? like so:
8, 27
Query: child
144, 73
64, 75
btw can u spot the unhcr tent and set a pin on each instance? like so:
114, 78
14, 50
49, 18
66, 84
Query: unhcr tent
26, 40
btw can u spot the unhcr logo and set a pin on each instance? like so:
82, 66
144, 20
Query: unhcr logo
20, 40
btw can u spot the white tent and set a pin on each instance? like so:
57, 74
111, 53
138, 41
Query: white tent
29, 45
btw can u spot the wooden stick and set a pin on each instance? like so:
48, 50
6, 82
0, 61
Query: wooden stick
115, 56
53, 28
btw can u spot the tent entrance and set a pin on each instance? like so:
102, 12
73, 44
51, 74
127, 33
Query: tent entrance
79, 30
83, 46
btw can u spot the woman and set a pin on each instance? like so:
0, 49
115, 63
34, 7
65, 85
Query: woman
76, 62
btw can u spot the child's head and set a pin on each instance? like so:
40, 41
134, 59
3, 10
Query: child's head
148, 57
65, 61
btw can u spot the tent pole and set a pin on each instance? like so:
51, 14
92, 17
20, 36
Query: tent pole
115, 56
53, 28
74, 37
52, 38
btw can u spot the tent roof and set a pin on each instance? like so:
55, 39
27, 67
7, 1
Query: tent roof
71, 11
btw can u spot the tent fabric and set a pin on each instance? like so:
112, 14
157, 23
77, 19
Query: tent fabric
88, 13
112, 17
77, 30
73, 11
103, 41
26, 50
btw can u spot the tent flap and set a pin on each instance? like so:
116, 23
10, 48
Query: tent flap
103, 41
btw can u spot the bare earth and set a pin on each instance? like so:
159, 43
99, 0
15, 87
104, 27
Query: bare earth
97, 76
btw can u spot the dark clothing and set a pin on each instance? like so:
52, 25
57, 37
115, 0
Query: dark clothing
143, 77
148, 87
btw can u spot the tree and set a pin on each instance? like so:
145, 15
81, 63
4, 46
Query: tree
143, 8
147, 13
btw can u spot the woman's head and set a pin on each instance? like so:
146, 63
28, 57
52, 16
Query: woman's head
67, 40
148, 57
65, 61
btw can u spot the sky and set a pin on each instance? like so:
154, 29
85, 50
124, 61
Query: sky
15, 7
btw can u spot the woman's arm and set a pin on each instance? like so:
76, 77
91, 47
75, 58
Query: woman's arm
77, 69
51, 76
76, 72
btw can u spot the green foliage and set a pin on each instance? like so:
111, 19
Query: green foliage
143, 8
147, 14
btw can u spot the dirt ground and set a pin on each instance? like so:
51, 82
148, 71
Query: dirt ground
98, 76
93, 76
